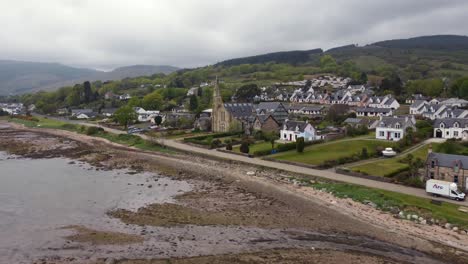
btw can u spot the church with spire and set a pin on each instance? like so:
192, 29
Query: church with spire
230, 117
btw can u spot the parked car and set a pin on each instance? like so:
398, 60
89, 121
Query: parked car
135, 130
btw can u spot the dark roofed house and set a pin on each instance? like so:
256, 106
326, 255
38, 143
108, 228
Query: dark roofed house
276, 109
447, 167
394, 128
266, 123
76, 112
373, 111
292, 130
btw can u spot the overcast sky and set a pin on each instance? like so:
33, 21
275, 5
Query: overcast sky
105, 34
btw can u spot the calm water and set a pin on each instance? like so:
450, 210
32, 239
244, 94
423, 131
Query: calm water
38, 197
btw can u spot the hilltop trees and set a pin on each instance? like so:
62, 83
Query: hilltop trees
153, 101
328, 64
247, 92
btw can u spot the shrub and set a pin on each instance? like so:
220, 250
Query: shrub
244, 148
300, 145
215, 143
70, 126
364, 153
228, 146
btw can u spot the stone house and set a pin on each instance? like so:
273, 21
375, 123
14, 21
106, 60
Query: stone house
447, 167
266, 123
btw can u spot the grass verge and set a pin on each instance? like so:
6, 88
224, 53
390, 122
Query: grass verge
386, 200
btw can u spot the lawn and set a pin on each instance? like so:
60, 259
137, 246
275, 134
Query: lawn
386, 167
260, 146
318, 154
385, 200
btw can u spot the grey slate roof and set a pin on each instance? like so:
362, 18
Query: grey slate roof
373, 110
449, 122
240, 111
291, 125
81, 111
448, 160
355, 121
390, 122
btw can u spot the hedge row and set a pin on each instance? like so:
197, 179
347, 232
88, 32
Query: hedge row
284, 147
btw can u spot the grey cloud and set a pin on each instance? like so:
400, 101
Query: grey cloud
186, 33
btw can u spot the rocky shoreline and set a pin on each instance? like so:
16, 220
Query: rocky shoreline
224, 197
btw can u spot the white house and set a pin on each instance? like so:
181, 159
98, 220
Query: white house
373, 111
394, 128
383, 102
145, 115
456, 128
418, 107
86, 115
292, 130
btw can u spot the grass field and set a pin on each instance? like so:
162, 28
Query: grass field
317, 154
385, 200
260, 146
386, 167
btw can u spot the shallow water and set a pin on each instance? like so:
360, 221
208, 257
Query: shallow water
38, 197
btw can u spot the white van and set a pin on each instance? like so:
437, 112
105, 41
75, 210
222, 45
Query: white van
445, 189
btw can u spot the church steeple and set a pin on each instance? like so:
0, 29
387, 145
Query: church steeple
216, 92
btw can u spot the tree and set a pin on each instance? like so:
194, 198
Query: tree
363, 78
271, 137
193, 104
124, 115
158, 120
244, 148
87, 92
300, 145
364, 153
134, 102
247, 92
153, 101
328, 63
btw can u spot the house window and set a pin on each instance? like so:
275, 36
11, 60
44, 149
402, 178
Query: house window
456, 168
285, 136
441, 125
432, 164
455, 179
397, 126
432, 175
447, 133
381, 134
456, 124
455, 133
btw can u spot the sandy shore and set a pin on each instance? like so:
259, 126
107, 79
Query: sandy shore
224, 195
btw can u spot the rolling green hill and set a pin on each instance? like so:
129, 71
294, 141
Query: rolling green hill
18, 77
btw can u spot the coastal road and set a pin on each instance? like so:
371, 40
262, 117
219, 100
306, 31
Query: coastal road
331, 175
327, 174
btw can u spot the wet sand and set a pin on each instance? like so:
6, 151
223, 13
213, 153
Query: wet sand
227, 214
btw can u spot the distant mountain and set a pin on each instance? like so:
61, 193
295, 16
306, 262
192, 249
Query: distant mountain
291, 57
18, 77
436, 42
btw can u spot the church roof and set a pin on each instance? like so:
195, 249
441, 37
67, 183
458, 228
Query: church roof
241, 110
